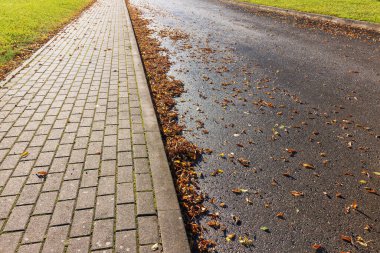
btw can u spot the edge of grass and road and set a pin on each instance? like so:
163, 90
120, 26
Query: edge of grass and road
360, 15
26, 25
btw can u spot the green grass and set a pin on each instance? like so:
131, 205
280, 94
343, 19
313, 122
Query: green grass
24, 22
365, 10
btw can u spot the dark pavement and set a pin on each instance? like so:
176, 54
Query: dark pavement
260, 85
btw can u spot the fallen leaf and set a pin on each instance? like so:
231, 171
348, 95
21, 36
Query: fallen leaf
41, 174
245, 241
297, 193
217, 172
249, 201
377, 173
291, 151
244, 162
370, 190
264, 228
239, 191
214, 224
236, 219
230, 237
155, 247
24, 154
316, 246
223, 205
346, 238
308, 166
339, 195
361, 241
362, 181
280, 215
354, 205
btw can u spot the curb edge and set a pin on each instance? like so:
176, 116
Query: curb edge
172, 228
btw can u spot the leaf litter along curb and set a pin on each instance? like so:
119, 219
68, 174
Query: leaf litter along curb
182, 153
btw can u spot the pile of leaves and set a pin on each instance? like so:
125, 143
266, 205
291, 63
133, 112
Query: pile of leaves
182, 154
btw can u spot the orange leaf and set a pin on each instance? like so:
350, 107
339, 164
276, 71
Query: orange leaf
41, 174
346, 238
316, 246
296, 193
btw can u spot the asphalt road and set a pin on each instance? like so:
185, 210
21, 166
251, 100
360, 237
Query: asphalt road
258, 85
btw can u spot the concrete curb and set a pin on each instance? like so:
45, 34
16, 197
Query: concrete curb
372, 27
172, 229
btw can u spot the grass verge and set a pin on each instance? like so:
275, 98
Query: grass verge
364, 10
26, 24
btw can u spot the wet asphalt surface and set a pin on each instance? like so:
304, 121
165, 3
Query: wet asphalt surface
257, 85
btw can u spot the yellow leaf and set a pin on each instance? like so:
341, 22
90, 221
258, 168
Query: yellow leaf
245, 241
230, 237
25, 154
308, 166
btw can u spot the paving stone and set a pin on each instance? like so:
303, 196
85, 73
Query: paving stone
92, 162
77, 245
105, 207
126, 242
125, 217
6, 204
108, 168
30, 248
124, 158
18, 218
55, 240
13, 186
148, 230
145, 204
45, 203
103, 234
59, 164
69, 190
82, 223
89, 178
9, 241
29, 194
4, 176
141, 165
53, 182
62, 213
37, 227
106, 185
86, 198
143, 182
125, 174
73, 171
23, 168
125, 193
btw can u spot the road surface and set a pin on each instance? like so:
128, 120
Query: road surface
299, 104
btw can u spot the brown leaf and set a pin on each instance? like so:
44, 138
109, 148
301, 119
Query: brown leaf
41, 174
346, 238
308, 166
297, 193
280, 215
214, 224
291, 151
244, 162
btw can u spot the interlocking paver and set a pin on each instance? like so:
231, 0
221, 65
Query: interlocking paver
76, 109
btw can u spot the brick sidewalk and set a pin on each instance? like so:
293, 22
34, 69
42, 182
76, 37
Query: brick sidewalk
78, 107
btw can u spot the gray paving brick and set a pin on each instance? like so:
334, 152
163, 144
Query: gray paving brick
62, 213
103, 234
125, 193
125, 174
53, 182
55, 240
13, 186
106, 185
6, 204
148, 230
105, 206
89, 178
69, 190
124, 158
18, 218
82, 223
143, 182
9, 241
23, 168
108, 168
141, 165
77, 245
4, 176
29, 194
126, 242
145, 204
30, 248
45, 203
125, 217
86, 198
37, 227
92, 162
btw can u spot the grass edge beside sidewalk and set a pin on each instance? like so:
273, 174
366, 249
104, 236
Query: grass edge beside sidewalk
362, 10
15, 47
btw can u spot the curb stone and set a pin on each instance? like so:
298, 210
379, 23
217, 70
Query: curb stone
174, 238
372, 27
